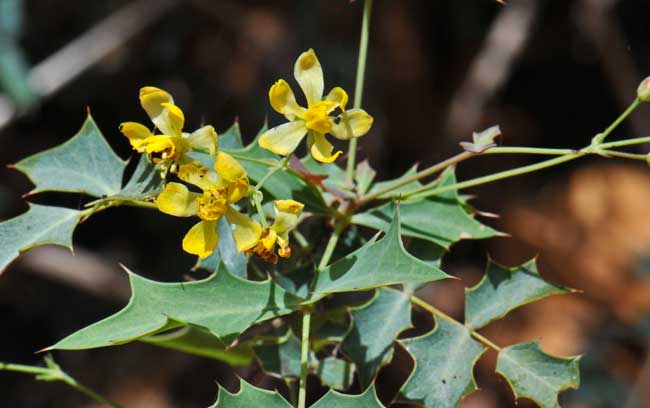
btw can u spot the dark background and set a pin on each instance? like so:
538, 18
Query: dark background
551, 73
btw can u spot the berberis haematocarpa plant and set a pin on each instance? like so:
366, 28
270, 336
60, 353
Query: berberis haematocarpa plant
272, 274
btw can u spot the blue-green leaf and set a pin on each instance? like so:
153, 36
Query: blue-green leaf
85, 164
533, 374
40, 225
503, 289
444, 361
335, 399
145, 182
223, 304
249, 397
375, 326
377, 263
335, 373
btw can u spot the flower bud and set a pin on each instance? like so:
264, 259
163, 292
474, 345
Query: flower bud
643, 91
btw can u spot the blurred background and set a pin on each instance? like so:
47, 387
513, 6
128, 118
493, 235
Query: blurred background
551, 73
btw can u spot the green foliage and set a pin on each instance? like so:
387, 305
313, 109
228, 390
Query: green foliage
145, 182
444, 361
40, 225
335, 399
223, 304
282, 358
503, 289
377, 263
440, 219
370, 345
84, 164
249, 396
533, 374
336, 373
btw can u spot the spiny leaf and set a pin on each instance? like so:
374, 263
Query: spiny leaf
145, 181
40, 225
249, 396
533, 374
440, 219
223, 304
503, 289
335, 373
226, 253
377, 263
375, 326
85, 164
444, 361
231, 138
199, 341
281, 359
335, 399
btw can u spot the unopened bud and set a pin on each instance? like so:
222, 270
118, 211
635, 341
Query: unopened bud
643, 91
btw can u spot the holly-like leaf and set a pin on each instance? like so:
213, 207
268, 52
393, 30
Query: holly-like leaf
377, 263
84, 164
335, 399
199, 341
503, 289
335, 373
223, 304
482, 140
400, 190
145, 181
444, 361
284, 184
281, 359
440, 219
231, 138
226, 253
40, 225
249, 396
375, 326
533, 374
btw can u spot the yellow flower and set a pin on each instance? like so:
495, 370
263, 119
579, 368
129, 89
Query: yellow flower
287, 214
173, 143
220, 190
317, 119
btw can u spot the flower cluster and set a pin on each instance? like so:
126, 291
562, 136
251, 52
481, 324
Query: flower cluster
218, 190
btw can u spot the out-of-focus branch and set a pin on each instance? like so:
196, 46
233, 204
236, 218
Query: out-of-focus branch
490, 69
51, 74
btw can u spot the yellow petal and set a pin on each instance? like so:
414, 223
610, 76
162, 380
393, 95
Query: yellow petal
200, 176
353, 123
309, 75
283, 139
287, 214
177, 200
283, 100
236, 190
204, 139
151, 99
136, 133
201, 239
228, 167
161, 144
245, 231
320, 148
339, 96
173, 119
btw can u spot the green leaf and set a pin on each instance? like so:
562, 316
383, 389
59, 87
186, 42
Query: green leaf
375, 326
40, 225
533, 374
377, 263
145, 181
335, 373
440, 219
503, 289
231, 138
335, 399
200, 342
482, 140
444, 361
223, 304
281, 359
85, 164
284, 184
248, 397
